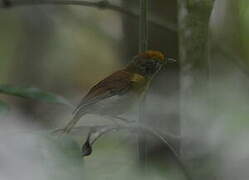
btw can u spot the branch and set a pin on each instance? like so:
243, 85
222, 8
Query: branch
101, 4
97, 132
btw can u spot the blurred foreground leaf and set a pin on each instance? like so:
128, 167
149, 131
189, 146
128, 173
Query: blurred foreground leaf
33, 93
40, 156
61, 157
4, 108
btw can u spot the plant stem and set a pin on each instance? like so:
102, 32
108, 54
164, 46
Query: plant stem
101, 4
143, 46
143, 26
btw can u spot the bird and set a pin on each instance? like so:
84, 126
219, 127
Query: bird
115, 94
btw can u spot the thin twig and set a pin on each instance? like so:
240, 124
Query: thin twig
143, 26
143, 46
98, 131
102, 4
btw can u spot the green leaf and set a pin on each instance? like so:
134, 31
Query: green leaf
4, 108
33, 93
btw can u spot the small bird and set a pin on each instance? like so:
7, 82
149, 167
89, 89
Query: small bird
116, 94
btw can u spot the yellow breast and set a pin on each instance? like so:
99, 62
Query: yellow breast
139, 82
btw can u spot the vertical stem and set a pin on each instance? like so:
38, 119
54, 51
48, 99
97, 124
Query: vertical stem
193, 23
143, 25
143, 46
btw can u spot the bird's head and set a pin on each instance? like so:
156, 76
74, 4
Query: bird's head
149, 62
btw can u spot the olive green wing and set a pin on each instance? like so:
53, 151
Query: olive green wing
116, 84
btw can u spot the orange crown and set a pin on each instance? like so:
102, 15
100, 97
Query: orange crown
153, 54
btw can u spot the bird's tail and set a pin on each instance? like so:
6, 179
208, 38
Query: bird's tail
70, 125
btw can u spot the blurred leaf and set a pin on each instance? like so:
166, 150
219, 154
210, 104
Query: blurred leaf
33, 93
46, 157
4, 108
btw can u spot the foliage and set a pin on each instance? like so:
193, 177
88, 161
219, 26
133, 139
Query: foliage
29, 93
4, 107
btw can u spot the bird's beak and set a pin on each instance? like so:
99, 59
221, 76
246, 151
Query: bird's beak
171, 60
